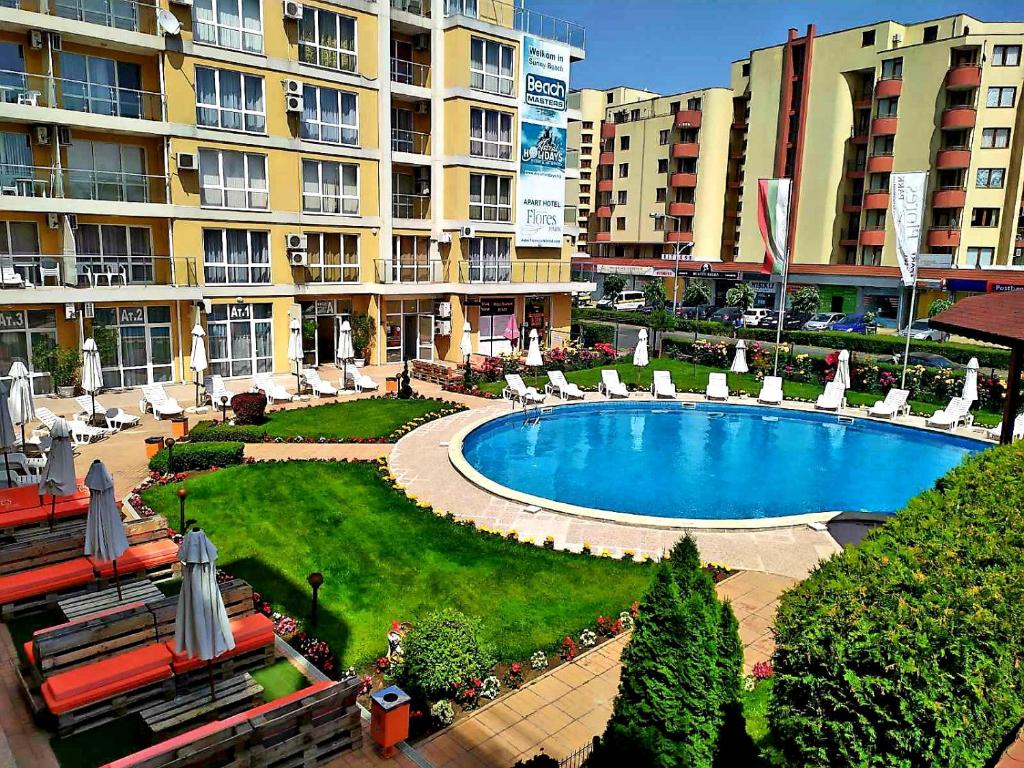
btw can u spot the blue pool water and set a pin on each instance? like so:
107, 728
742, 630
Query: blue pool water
713, 462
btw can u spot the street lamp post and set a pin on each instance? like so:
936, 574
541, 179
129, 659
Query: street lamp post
677, 249
224, 409
169, 445
182, 493
315, 580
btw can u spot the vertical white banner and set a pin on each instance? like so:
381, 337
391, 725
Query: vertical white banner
544, 96
907, 191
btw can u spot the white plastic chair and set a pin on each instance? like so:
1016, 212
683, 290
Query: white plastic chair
717, 388
215, 389
320, 387
996, 432
833, 398
611, 386
116, 418
771, 391
81, 433
272, 390
662, 386
895, 404
953, 415
559, 385
155, 399
517, 391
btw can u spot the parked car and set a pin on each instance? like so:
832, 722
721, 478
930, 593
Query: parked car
921, 330
728, 316
888, 323
755, 317
699, 312
823, 321
605, 302
855, 322
794, 321
929, 360
582, 299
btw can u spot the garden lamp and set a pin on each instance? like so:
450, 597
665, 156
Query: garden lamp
224, 409
316, 580
169, 445
182, 493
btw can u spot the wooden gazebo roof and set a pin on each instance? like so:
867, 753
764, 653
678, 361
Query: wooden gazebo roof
997, 318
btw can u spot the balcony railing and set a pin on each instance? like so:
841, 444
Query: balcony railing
572, 158
522, 19
570, 216
409, 269
129, 15
78, 184
415, 7
330, 270
96, 270
410, 206
575, 100
78, 96
410, 73
506, 271
410, 141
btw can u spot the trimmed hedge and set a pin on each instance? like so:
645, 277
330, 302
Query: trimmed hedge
211, 431
590, 334
906, 650
198, 456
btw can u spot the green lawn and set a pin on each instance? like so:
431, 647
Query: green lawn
755, 711
354, 418
686, 376
280, 679
384, 559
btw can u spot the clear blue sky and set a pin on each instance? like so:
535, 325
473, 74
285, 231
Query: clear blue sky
678, 45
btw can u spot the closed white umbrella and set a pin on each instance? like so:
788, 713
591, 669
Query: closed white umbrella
105, 538
533, 357
346, 351
295, 350
92, 372
23, 410
970, 393
198, 361
58, 478
843, 369
8, 438
201, 628
640, 354
466, 345
739, 362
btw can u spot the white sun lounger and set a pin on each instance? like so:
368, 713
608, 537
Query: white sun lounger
833, 398
517, 391
895, 404
771, 391
996, 432
953, 415
116, 418
22, 472
155, 399
611, 386
320, 387
662, 386
81, 433
361, 381
559, 385
718, 387
216, 391
263, 382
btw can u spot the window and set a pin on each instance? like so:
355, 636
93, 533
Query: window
623, 170
887, 107
236, 256
232, 179
985, 217
329, 187
1001, 96
329, 115
241, 339
659, 195
490, 66
236, 24
327, 39
990, 178
12, 72
609, 98
879, 182
19, 247
980, 257
745, 69
673, 107
892, 69
22, 334
624, 143
694, 104
588, 125
867, 37
230, 100
995, 138
490, 133
332, 257
663, 166
882, 145
663, 137
490, 261
931, 34
490, 197
587, 138
659, 223
622, 197
1005, 55
100, 86
142, 354
100, 170
114, 248
620, 222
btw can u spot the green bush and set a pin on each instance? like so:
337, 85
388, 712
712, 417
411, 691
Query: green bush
441, 651
198, 456
906, 650
211, 431
590, 334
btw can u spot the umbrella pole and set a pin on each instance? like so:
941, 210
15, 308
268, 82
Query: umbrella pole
7, 468
53, 509
209, 674
23, 436
92, 416
117, 581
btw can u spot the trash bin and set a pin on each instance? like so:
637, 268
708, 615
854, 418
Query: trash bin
391, 385
389, 718
179, 427
153, 445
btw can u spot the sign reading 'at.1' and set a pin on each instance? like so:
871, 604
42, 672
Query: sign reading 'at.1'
544, 95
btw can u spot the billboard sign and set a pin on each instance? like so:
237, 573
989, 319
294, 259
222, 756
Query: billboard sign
544, 95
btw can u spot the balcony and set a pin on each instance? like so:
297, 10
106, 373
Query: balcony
685, 149
415, 7
132, 16
606, 158
79, 184
853, 203
604, 212
956, 118
43, 273
679, 237
522, 19
76, 96
963, 77
677, 180
855, 169
416, 207
953, 157
849, 239
950, 197
406, 72
605, 185
681, 209
883, 126
607, 130
327, 269
413, 142
409, 269
879, 164
885, 89
943, 237
872, 236
875, 201
688, 118
526, 271
603, 237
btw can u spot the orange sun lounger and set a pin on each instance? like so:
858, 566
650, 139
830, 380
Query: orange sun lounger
101, 680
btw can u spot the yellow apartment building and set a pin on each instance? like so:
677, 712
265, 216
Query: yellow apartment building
244, 164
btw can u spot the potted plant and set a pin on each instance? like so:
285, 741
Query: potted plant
62, 363
363, 330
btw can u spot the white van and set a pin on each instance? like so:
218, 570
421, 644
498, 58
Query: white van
629, 300
753, 317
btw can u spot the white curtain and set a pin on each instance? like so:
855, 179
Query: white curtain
234, 179
230, 99
230, 22
257, 166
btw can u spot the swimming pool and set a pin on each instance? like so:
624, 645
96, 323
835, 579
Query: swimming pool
706, 463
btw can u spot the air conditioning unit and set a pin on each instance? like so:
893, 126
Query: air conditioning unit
188, 161
55, 42
35, 39
467, 232
444, 309
88, 310
297, 258
445, 238
442, 327
896, 40
422, 107
63, 135
295, 241
41, 134
293, 103
292, 10
422, 41
292, 87
72, 220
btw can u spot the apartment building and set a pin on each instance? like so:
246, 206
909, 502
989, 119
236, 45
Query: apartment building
242, 164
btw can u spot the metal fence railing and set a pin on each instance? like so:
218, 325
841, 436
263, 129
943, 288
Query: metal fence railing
507, 14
